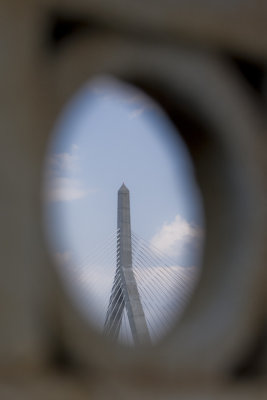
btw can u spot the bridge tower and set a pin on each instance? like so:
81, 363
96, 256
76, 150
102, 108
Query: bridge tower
124, 291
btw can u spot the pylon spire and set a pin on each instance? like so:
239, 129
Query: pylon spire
127, 294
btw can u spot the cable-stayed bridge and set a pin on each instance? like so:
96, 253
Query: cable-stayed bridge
134, 291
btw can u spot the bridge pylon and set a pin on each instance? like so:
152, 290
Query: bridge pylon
124, 293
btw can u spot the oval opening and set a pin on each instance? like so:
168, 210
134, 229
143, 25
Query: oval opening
130, 266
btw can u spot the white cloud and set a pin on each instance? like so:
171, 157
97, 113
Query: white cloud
136, 113
62, 181
64, 189
63, 163
172, 236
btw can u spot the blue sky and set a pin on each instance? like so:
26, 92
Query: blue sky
108, 134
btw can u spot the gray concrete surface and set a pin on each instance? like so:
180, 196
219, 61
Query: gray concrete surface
133, 303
